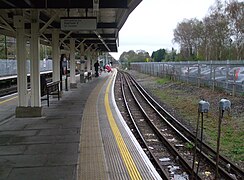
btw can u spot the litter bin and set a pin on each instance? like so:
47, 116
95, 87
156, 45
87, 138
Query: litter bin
43, 85
82, 78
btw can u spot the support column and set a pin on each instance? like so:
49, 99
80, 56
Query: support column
93, 62
35, 110
35, 60
55, 55
21, 63
88, 62
82, 58
95, 58
82, 63
73, 83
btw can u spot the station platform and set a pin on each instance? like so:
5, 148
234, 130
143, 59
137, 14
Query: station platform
81, 137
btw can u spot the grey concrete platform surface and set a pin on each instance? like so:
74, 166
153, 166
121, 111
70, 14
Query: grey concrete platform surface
73, 140
105, 139
44, 148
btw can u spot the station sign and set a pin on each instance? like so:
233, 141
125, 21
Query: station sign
78, 24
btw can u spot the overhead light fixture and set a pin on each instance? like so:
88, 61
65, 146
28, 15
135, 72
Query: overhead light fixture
101, 39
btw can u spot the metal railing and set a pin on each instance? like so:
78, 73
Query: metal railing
9, 67
224, 75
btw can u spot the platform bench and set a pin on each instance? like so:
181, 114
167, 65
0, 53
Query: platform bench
51, 88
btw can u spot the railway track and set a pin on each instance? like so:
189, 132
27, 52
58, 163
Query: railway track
13, 88
8, 91
167, 140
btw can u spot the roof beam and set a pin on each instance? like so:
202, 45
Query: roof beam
113, 4
101, 39
54, 24
106, 25
76, 47
9, 27
8, 3
98, 41
49, 22
62, 41
53, 4
45, 18
84, 36
29, 3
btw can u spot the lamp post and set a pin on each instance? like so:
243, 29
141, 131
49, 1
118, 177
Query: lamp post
230, 41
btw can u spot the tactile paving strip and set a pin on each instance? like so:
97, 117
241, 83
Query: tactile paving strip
91, 163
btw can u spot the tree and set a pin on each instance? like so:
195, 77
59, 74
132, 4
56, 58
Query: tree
131, 56
158, 55
235, 15
2, 47
219, 30
142, 56
7, 47
183, 34
214, 37
171, 55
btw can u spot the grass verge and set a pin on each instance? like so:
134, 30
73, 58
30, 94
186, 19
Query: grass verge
185, 103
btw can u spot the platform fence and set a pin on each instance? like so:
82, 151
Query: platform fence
9, 67
217, 75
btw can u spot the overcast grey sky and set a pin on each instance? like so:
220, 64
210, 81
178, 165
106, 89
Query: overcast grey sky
150, 26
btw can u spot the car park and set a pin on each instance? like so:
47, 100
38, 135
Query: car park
218, 73
236, 75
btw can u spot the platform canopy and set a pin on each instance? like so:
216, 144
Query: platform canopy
96, 23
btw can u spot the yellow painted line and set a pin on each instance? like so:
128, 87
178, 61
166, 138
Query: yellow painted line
128, 160
8, 99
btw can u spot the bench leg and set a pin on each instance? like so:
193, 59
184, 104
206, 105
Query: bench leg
48, 99
58, 93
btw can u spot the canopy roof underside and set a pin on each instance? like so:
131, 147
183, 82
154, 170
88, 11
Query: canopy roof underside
110, 17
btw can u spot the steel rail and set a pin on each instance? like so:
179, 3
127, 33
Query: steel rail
169, 146
224, 162
143, 142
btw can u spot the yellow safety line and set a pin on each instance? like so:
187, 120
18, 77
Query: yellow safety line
8, 100
130, 165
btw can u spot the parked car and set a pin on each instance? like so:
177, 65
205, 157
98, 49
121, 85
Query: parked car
219, 73
236, 74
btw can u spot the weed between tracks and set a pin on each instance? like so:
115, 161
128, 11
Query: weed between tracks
181, 100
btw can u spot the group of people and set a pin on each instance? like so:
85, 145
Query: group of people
64, 65
105, 67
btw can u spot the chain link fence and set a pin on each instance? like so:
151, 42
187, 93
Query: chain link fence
221, 75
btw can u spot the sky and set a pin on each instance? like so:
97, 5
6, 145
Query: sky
150, 26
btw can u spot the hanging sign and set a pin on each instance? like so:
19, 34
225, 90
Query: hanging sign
78, 24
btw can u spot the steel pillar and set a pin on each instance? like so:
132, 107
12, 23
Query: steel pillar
95, 58
82, 58
35, 60
73, 83
82, 63
21, 61
93, 62
88, 61
55, 55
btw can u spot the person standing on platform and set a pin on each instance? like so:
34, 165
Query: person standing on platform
96, 65
63, 69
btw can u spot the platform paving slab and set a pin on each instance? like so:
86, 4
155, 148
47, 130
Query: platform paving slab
46, 147
92, 163
43, 173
